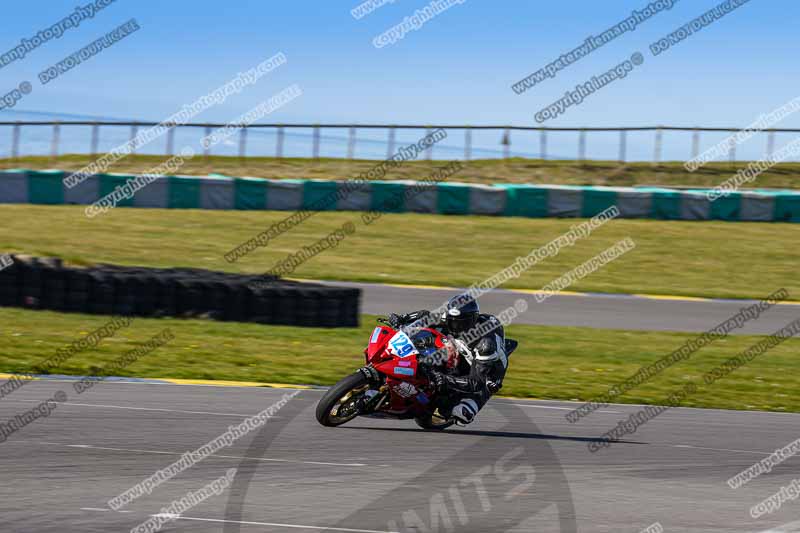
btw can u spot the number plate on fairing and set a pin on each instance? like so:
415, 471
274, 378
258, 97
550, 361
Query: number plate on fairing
401, 345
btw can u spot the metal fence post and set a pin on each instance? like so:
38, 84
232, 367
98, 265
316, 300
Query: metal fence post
623, 145
315, 148
279, 143
429, 149
55, 141
695, 143
390, 147
351, 143
659, 142
770, 144
207, 148
15, 142
467, 144
134, 133
543, 144
582, 146
171, 140
506, 142
242, 143
95, 138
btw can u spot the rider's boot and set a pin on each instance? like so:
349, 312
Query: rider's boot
464, 412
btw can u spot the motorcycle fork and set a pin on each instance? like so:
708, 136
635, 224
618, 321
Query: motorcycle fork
373, 404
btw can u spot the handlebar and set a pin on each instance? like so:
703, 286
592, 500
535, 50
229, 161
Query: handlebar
389, 322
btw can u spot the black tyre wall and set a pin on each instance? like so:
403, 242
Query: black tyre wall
175, 292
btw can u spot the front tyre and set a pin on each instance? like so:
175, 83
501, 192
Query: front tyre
339, 404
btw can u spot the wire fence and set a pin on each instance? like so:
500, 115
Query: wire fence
384, 139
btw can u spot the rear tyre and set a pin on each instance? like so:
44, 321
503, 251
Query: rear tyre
433, 422
338, 405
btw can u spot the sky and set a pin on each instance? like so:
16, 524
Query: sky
456, 68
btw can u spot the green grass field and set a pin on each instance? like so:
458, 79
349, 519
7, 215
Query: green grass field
515, 170
682, 258
552, 362
713, 259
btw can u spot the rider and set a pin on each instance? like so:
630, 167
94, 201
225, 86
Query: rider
481, 341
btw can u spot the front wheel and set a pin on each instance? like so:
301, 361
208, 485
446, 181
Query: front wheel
339, 404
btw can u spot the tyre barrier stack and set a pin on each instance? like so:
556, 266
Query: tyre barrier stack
45, 283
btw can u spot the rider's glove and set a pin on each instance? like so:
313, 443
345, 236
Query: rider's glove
435, 378
494, 386
417, 315
394, 320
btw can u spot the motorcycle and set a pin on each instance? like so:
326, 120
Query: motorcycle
389, 385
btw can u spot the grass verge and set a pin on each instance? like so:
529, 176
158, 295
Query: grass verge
552, 362
712, 259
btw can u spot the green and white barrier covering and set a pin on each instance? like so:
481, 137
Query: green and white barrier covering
221, 192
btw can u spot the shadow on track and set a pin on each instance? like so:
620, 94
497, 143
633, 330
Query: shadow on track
502, 434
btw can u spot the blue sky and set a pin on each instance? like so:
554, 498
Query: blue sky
458, 68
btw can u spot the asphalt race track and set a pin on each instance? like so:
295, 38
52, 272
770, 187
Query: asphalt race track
604, 311
520, 467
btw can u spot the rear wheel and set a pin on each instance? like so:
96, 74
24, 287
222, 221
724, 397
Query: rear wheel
339, 404
434, 421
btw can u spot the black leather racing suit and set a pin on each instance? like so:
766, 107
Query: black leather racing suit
482, 365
